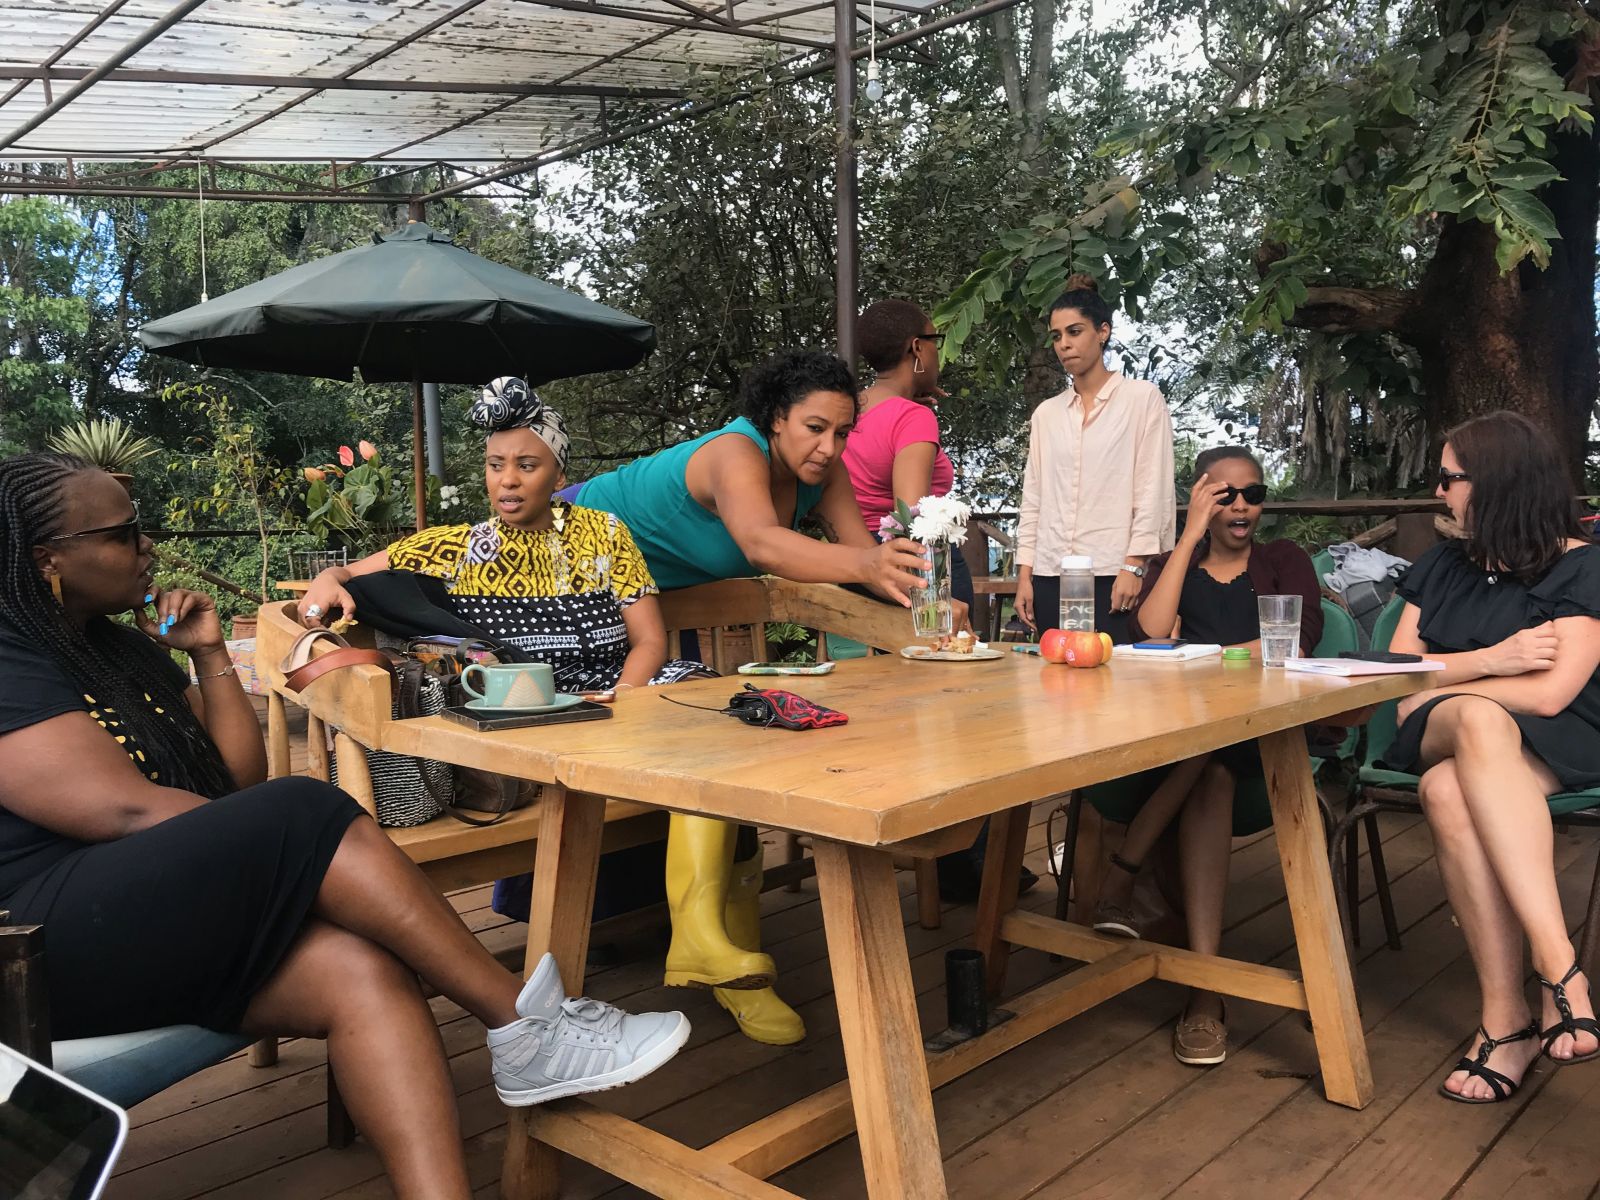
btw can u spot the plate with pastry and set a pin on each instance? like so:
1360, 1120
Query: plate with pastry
958, 647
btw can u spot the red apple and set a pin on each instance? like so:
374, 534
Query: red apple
1053, 645
1075, 647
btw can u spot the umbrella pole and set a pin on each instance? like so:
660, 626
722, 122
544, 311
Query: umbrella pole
419, 479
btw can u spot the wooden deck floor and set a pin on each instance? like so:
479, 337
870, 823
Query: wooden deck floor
1096, 1108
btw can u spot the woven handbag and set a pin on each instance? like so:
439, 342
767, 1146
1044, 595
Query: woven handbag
407, 790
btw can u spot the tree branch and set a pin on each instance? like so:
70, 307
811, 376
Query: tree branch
1002, 25
1358, 310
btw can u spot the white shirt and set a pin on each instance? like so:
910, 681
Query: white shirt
1099, 479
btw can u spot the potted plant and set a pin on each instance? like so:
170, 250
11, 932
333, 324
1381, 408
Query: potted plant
109, 444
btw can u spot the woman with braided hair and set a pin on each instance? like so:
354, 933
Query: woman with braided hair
176, 888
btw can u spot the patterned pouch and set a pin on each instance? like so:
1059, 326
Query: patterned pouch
772, 706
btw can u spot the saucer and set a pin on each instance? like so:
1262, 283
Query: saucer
563, 700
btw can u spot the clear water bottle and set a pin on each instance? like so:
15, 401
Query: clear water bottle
1077, 593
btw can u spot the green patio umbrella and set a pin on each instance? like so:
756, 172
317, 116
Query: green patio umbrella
412, 306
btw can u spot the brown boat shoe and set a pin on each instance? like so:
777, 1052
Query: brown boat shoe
1200, 1041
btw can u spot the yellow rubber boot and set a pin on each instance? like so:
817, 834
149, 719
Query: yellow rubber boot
699, 864
761, 1014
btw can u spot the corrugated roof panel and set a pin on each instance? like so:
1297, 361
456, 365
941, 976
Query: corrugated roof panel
520, 42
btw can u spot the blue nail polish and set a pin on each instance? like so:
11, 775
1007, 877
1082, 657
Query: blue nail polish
149, 596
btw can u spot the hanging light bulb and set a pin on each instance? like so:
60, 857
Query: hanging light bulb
874, 88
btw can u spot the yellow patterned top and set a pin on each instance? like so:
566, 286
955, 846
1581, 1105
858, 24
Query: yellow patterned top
593, 552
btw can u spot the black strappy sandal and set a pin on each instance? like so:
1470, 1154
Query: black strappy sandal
1568, 1023
1478, 1067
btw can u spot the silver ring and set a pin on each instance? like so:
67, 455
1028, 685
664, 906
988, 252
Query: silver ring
313, 610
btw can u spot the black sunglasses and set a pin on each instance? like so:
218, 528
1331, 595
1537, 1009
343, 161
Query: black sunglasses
1253, 493
1446, 478
127, 531
929, 337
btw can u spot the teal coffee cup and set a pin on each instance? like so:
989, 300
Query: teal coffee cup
510, 685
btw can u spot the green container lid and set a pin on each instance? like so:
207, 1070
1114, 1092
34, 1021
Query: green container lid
1237, 654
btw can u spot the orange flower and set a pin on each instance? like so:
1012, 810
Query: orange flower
347, 456
315, 474
367, 450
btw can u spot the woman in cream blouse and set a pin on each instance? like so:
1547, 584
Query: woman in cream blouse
1099, 479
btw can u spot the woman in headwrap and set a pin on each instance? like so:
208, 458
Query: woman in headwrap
564, 583
567, 584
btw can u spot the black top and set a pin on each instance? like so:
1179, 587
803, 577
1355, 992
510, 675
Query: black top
35, 690
1226, 613
1462, 607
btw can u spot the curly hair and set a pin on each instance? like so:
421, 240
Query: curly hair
1083, 294
770, 389
1522, 511
884, 331
97, 657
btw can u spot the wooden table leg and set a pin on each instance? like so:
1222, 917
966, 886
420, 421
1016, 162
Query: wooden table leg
1002, 863
883, 1052
565, 867
1324, 962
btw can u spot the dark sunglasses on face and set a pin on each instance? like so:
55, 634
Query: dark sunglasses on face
1253, 493
936, 338
1446, 478
125, 531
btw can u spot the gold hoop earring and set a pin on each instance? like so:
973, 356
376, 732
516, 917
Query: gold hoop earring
55, 588
916, 365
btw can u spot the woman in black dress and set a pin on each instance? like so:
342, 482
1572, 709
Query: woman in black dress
1513, 611
176, 888
1205, 590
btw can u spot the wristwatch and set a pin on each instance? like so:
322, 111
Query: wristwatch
1136, 571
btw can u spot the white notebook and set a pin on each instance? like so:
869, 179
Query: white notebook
1180, 654
1356, 666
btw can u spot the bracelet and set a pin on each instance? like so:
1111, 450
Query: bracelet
218, 674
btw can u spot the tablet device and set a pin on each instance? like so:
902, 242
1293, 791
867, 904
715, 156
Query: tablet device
57, 1139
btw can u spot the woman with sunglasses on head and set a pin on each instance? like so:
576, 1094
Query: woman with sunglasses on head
1513, 611
1099, 478
177, 888
1204, 590
894, 452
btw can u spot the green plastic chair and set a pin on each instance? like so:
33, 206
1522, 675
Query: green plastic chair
1376, 788
1324, 564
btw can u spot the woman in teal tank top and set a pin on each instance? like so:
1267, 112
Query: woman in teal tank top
727, 505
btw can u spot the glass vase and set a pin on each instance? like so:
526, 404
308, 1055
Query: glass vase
931, 612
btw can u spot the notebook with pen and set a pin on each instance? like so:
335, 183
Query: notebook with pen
1345, 667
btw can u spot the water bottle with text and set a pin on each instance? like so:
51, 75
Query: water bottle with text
1077, 593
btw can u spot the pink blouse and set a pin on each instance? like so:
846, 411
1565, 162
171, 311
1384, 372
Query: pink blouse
882, 432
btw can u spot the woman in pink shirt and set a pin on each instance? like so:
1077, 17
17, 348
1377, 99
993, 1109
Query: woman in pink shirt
894, 452
1099, 479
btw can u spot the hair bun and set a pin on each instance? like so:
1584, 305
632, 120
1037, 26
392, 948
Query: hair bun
1081, 282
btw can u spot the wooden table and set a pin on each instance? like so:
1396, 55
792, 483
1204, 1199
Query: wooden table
931, 749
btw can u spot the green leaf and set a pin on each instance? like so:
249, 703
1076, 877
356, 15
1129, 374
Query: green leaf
1530, 212
1525, 176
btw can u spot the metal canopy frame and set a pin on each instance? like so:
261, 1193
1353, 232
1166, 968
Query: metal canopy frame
117, 80
544, 99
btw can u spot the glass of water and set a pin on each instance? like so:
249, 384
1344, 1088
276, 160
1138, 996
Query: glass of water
1280, 628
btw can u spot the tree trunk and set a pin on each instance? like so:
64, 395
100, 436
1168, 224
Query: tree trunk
1524, 341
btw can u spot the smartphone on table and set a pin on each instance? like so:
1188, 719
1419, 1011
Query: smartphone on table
782, 668
1161, 644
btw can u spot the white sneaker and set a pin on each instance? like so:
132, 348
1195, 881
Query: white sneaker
568, 1047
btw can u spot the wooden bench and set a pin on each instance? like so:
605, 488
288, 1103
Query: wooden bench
356, 703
